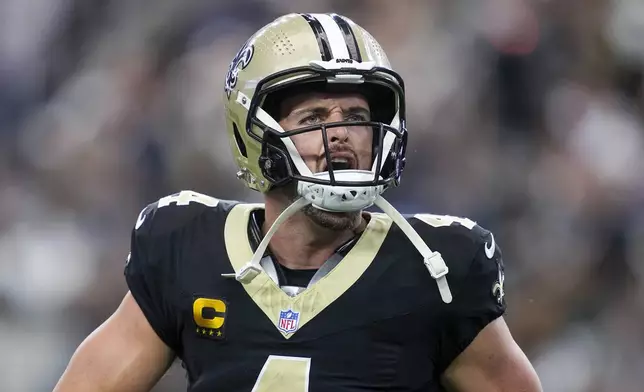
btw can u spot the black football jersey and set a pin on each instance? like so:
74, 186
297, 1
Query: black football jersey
376, 322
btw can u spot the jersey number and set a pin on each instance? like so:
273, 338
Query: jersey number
284, 374
184, 198
445, 220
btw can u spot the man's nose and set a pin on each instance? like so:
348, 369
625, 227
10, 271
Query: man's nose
337, 134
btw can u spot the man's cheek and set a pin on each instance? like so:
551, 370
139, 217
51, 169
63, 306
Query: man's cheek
364, 157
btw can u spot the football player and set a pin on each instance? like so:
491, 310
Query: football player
307, 291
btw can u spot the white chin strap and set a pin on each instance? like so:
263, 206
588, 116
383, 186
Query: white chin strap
433, 260
251, 269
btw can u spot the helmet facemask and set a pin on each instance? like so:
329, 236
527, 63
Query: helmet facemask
336, 189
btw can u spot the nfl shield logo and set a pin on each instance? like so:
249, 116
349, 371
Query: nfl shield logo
288, 321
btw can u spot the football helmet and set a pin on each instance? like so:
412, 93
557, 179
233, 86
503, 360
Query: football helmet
318, 52
311, 52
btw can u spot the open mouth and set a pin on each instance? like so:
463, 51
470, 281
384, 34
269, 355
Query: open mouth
340, 163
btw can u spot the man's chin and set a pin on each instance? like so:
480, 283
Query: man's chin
336, 221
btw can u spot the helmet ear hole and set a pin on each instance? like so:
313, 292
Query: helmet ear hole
274, 161
240, 142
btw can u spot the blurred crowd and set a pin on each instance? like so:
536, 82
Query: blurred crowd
526, 116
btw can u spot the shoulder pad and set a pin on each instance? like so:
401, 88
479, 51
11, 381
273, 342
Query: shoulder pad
175, 211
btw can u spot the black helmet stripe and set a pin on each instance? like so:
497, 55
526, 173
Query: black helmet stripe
349, 37
320, 35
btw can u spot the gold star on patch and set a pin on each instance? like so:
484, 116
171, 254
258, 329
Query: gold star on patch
218, 333
210, 332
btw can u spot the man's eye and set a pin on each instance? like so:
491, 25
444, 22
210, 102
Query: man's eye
310, 120
357, 117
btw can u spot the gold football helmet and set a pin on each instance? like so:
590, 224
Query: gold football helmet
313, 51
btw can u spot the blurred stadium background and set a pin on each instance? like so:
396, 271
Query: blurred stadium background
525, 115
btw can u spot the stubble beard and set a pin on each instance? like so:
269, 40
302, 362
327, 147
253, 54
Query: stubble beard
334, 221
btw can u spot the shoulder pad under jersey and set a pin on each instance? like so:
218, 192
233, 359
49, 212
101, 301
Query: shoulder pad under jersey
463, 244
175, 211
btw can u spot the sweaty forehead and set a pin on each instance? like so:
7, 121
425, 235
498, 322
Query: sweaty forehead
322, 99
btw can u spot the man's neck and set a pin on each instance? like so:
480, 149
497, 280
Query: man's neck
299, 243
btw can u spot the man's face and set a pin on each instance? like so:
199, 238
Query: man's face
349, 147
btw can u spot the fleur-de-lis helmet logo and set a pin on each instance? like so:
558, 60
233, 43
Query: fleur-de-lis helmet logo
241, 61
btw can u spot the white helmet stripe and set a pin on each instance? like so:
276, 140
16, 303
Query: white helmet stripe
339, 48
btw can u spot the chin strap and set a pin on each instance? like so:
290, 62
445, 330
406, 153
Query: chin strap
433, 260
253, 268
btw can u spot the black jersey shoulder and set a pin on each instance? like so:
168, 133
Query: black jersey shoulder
449, 234
176, 211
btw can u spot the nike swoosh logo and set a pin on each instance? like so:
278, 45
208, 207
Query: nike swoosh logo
140, 219
489, 250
